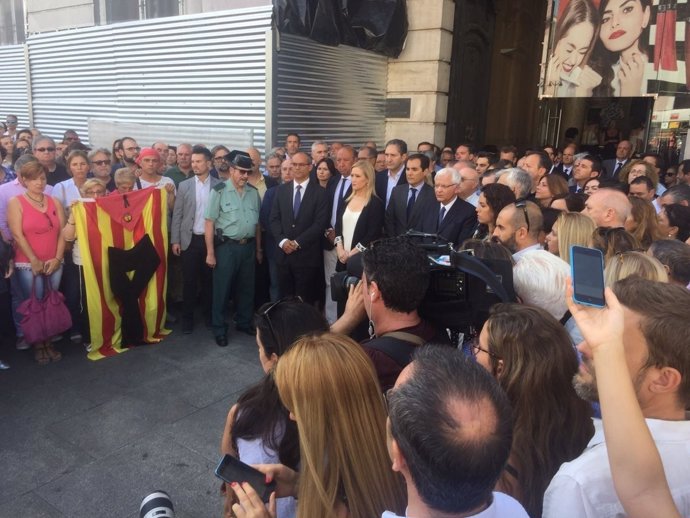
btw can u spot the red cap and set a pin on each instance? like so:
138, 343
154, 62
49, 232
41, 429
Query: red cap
147, 152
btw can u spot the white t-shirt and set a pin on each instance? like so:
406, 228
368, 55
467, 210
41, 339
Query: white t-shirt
503, 506
160, 184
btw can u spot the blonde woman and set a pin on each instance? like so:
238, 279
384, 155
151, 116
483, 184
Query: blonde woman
571, 228
637, 168
642, 222
360, 220
329, 386
639, 264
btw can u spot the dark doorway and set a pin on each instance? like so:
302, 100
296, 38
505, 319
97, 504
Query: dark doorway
470, 71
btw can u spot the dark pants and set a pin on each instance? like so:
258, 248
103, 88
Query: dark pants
197, 278
302, 281
234, 272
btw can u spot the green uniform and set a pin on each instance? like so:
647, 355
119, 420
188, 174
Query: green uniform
177, 176
236, 217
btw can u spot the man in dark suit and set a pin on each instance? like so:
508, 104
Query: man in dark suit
588, 167
623, 153
337, 190
410, 203
396, 154
566, 167
298, 219
452, 218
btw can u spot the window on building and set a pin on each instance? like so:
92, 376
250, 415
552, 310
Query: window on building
162, 8
12, 22
127, 10
121, 10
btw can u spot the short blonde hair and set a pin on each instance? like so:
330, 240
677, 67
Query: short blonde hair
90, 184
123, 175
627, 264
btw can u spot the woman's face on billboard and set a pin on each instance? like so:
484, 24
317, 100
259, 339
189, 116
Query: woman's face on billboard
572, 48
622, 23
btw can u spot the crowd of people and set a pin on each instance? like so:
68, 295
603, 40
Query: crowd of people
511, 421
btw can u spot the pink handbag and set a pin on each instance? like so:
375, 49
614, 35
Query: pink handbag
44, 318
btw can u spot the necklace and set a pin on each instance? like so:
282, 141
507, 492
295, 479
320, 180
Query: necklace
37, 202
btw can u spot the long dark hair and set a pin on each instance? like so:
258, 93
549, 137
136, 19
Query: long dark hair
260, 413
552, 424
576, 12
497, 196
602, 59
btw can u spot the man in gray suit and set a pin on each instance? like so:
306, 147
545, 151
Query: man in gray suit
187, 235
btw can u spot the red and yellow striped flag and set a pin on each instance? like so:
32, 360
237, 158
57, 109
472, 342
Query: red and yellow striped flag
120, 221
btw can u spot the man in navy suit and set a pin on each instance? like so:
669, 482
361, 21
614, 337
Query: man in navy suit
298, 219
452, 218
623, 153
410, 203
337, 191
588, 167
394, 175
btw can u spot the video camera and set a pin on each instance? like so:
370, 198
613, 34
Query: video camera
462, 288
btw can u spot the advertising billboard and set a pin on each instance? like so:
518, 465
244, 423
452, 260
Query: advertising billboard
616, 48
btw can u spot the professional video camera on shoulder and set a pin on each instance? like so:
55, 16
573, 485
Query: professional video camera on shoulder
461, 287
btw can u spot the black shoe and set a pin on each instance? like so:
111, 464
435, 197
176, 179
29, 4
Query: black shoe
170, 318
249, 330
187, 326
221, 341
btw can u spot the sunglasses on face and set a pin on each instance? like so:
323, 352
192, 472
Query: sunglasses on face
101, 162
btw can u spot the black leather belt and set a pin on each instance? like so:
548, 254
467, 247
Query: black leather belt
242, 241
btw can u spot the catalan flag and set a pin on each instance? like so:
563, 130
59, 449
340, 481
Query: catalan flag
121, 222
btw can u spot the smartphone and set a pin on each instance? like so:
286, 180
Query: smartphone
587, 271
232, 470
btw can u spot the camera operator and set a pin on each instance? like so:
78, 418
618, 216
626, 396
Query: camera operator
393, 285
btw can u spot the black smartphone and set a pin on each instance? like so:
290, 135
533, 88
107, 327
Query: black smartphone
232, 470
587, 271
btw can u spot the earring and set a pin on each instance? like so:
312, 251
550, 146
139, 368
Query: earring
372, 331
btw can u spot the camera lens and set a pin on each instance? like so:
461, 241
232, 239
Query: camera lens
157, 505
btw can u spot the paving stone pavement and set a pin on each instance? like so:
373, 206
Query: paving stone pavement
80, 438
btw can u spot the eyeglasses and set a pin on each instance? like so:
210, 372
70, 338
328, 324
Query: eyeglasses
101, 162
45, 149
523, 205
476, 348
243, 172
219, 158
265, 310
387, 399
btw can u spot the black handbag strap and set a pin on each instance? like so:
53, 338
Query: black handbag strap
398, 345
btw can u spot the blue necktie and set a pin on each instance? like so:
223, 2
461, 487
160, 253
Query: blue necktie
298, 202
410, 202
441, 216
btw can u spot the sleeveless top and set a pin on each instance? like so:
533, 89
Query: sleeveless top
254, 451
41, 230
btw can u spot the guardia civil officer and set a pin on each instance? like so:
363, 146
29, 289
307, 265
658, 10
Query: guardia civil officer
233, 237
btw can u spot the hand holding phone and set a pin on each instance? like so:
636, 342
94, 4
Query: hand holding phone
587, 271
232, 470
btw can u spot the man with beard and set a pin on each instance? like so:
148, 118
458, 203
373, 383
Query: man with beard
130, 153
655, 335
518, 226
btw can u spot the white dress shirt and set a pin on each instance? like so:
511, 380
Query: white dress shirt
202, 190
473, 198
517, 255
583, 488
392, 182
502, 506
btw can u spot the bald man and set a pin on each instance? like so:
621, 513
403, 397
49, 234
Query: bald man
608, 208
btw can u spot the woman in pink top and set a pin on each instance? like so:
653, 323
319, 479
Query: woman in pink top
36, 221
